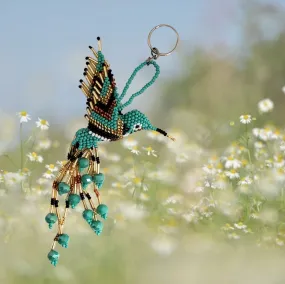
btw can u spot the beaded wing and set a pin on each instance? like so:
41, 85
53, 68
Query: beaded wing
106, 122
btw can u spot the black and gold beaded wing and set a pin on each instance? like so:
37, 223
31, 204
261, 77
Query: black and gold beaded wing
100, 89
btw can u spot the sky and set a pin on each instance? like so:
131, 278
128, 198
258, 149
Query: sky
44, 44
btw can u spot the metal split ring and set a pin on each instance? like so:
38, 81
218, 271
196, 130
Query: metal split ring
154, 51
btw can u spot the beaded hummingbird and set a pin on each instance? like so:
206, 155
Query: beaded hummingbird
106, 122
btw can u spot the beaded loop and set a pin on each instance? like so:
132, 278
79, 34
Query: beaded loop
157, 71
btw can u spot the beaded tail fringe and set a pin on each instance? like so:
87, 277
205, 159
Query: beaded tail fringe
82, 171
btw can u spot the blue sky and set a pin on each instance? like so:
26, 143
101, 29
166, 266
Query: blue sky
44, 43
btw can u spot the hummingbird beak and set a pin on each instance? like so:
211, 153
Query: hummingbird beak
164, 133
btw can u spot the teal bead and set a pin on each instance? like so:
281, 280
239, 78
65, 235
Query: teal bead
86, 180
88, 215
83, 163
102, 210
63, 240
53, 257
98, 179
63, 188
73, 199
97, 227
51, 219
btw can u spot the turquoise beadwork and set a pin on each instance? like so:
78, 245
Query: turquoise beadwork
83, 163
51, 219
85, 139
88, 215
102, 210
157, 72
97, 226
63, 240
53, 257
63, 188
73, 199
86, 180
98, 179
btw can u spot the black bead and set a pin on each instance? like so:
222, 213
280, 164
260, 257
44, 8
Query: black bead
66, 203
56, 203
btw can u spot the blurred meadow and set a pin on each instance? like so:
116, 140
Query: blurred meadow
207, 208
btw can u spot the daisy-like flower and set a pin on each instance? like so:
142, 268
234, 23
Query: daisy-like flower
255, 132
42, 124
231, 162
279, 161
233, 236
232, 174
129, 142
61, 163
245, 181
227, 227
48, 174
258, 145
24, 116
25, 172
135, 150
34, 157
265, 105
265, 134
51, 168
245, 119
282, 146
150, 151
240, 225
209, 169
13, 178
44, 144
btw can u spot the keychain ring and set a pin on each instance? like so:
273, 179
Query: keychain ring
155, 50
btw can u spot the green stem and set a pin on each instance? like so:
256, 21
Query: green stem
22, 146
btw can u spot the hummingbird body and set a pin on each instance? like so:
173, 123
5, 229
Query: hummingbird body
106, 122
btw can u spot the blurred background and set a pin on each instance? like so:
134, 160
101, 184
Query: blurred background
231, 56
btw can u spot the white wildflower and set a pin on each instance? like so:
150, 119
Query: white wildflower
129, 142
240, 226
52, 168
265, 105
24, 116
44, 144
210, 169
34, 157
48, 174
231, 162
61, 163
232, 174
245, 119
245, 181
135, 150
42, 124
150, 151
233, 236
